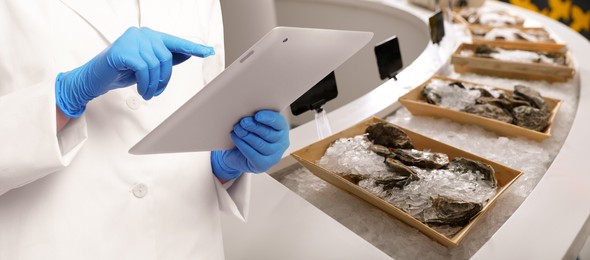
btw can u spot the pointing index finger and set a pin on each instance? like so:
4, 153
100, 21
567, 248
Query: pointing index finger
179, 45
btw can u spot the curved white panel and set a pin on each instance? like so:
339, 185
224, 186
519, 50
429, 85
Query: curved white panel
359, 74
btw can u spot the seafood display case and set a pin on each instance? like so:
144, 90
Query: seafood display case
546, 177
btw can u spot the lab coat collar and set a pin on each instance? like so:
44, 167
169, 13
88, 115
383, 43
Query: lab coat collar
99, 15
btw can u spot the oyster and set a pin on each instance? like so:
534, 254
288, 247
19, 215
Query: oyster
421, 159
489, 111
531, 118
400, 177
506, 102
463, 165
558, 57
484, 51
531, 96
458, 84
452, 95
515, 101
478, 32
431, 96
380, 150
354, 178
398, 167
449, 211
394, 181
388, 135
484, 92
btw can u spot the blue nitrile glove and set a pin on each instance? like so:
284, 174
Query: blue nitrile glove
260, 143
140, 55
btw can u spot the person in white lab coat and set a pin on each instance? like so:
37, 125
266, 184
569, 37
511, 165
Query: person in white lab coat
71, 109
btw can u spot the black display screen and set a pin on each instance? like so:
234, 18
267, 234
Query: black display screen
389, 58
318, 95
437, 27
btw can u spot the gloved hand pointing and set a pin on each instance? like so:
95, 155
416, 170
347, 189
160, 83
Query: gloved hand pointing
140, 55
260, 143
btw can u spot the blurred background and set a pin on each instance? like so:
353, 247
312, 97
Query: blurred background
574, 13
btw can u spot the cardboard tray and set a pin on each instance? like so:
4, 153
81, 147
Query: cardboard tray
417, 105
509, 69
309, 155
551, 45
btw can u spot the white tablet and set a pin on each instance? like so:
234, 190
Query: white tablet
273, 73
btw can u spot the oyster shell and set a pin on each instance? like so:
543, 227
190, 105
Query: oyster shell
354, 178
398, 167
452, 95
463, 165
394, 181
515, 101
431, 96
505, 101
531, 96
531, 118
484, 92
458, 84
381, 150
449, 211
421, 159
484, 51
489, 111
400, 177
558, 57
388, 135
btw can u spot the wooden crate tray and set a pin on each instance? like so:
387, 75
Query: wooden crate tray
309, 155
549, 45
415, 102
510, 69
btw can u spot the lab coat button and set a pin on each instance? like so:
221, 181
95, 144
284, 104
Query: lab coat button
133, 103
140, 190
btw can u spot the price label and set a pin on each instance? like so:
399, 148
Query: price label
389, 58
437, 27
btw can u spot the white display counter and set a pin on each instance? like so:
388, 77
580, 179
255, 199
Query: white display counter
552, 223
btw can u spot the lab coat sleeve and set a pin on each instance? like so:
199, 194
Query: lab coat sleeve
31, 148
234, 198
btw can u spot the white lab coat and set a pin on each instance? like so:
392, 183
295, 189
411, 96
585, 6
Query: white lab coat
78, 194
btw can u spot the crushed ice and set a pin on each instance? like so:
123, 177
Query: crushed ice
351, 155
